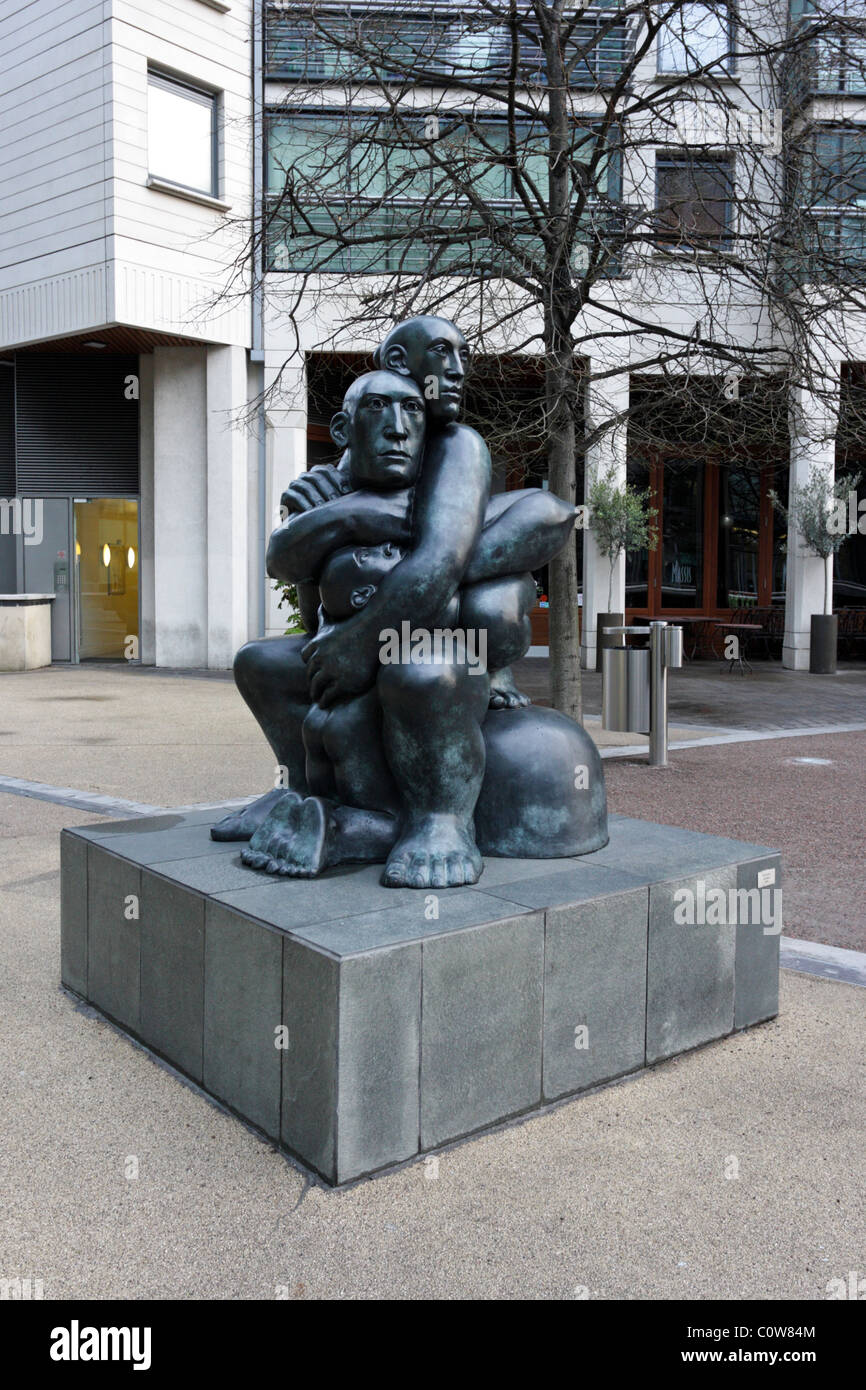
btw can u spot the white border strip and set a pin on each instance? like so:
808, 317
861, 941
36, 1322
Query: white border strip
741, 736
830, 962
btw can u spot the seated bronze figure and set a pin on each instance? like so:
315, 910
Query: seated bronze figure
402, 734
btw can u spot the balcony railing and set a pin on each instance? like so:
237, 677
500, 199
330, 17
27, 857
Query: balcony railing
350, 236
828, 62
832, 250
377, 42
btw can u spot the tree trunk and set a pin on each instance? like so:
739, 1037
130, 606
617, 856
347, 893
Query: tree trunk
561, 393
565, 689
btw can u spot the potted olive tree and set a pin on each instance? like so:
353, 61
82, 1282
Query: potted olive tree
621, 519
819, 511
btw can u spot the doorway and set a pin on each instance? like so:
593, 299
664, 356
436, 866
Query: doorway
107, 561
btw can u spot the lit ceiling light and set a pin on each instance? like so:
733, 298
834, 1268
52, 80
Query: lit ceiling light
106, 555
130, 558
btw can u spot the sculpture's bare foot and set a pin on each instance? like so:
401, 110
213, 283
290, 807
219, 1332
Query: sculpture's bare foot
293, 840
243, 823
504, 693
436, 852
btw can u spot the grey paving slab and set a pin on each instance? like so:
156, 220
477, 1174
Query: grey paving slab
594, 991
114, 935
73, 912
756, 987
379, 1056
243, 980
575, 884
151, 825
424, 917
690, 969
658, 853
170, 843
308, 1125
211, 873
302, 902
172, 972
481, 1020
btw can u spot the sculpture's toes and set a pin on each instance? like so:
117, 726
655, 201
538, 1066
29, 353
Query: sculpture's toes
463, 869
395, 874
231, 827
254, 859
438, 871
419, 870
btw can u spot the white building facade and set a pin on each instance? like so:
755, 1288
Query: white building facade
136, 346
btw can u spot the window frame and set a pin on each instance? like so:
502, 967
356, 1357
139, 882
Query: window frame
726, 66
671, 241
204, 96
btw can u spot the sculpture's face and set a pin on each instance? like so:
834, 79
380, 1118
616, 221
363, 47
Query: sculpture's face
436, 355
385, 425
351, 576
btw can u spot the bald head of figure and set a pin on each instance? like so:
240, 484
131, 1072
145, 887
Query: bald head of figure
434, 353
382, 424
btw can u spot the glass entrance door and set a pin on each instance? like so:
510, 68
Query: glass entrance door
106, 572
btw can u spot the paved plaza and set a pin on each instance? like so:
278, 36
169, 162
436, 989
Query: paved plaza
624, 1193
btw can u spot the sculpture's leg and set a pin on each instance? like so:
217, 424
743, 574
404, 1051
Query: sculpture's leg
500, 608
432, 716
522, 531
301, 836
273, 680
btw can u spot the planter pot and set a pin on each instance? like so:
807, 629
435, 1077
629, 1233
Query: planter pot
822, 646
618, 640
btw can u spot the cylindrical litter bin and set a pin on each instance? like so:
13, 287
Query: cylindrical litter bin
626, 689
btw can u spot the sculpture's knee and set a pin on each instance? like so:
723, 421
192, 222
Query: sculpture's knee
269, 666
500, 608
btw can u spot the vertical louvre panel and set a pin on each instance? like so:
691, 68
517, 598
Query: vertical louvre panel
7, 430
75, 430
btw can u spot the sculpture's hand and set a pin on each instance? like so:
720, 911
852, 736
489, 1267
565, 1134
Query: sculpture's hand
382, 516
341, 661
320, 484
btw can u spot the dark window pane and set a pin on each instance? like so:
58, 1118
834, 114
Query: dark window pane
637, 561
683, 534
693, 198
739, 521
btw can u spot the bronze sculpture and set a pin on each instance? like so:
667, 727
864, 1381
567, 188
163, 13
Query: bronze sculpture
402, 733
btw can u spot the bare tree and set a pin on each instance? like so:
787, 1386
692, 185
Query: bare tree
579, 184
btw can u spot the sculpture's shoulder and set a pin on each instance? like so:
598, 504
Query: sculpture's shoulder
460, 441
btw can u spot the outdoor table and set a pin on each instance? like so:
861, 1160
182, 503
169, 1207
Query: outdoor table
746, 629
695, 623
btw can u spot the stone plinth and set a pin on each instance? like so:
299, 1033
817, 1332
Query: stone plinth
358, 1026
25, 631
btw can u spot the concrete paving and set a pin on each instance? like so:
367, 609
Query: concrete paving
733, 1171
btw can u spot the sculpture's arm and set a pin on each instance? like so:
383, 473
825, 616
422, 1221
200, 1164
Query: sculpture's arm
300, 546
450, 502
308, 606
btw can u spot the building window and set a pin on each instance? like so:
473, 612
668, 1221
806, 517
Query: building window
838, 168
182, 134
356, 182
696, 36
694, 199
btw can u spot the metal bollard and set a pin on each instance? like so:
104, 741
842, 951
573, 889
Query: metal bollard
658, 733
